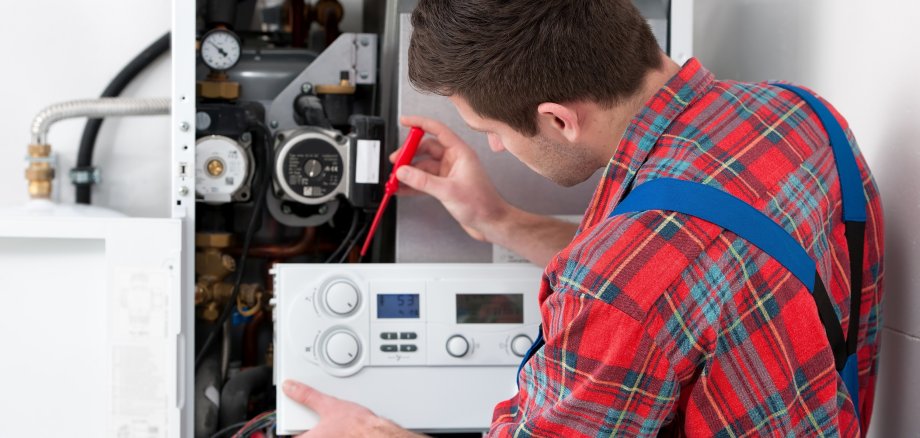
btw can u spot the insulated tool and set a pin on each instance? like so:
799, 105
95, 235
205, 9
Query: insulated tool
392, 185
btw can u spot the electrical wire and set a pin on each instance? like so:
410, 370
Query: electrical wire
246, 428
354, 242
247, 241
231, 428
261, 421
348, 236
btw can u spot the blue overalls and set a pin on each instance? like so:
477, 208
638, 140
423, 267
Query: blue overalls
726, 211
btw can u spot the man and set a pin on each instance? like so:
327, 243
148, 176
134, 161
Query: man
655, 322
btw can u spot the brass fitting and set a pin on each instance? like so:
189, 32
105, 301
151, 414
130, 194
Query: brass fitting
217, 86
212, 266
40, 173
344, 87
326, 9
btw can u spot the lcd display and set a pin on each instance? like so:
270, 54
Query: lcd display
397, 305
490, 308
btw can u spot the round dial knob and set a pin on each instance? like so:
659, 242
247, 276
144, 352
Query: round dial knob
520, 344
342, 298
342, 348
457, 346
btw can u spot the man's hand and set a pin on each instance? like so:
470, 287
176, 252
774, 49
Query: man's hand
448, 169
340, 418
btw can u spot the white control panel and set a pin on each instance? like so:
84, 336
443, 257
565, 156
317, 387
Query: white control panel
432, 347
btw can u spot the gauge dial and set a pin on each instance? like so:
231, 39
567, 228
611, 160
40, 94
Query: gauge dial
220, 49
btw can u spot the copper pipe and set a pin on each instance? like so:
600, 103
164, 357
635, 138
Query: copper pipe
282, 251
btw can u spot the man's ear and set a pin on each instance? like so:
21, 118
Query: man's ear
559, 119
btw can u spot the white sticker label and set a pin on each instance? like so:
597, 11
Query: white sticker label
367, 166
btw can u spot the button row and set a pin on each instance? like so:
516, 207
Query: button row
402, 335
405, 348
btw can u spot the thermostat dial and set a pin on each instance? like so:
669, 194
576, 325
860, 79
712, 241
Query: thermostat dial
342, 348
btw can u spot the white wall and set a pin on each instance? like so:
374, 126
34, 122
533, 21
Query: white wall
863, 57
61, 50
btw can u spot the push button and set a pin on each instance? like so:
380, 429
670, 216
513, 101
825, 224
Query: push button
408, 335
408, 348
388, 335
388, 348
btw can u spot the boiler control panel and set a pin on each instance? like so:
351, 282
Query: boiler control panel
432, 347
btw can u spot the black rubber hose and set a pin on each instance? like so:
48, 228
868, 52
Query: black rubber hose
115, 87
234, 398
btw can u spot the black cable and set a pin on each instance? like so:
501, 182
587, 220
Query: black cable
247, 240
348, 236
115, 87
355, 241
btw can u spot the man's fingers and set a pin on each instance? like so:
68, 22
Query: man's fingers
429, 146
307, 396
430, 166
422, 181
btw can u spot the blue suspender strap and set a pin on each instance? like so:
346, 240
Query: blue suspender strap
726, 211
537, 343
854, 200
854, 216
732, 214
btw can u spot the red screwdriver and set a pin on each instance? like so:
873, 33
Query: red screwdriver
392, 185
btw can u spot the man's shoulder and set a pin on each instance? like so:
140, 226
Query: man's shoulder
629, 260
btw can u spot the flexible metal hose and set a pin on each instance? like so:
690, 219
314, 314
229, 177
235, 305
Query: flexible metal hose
94, 108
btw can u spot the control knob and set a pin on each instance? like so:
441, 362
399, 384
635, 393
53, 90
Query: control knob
342, 348
520, 344
457, 346
342, 298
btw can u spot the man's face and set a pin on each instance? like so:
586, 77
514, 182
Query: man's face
546, 153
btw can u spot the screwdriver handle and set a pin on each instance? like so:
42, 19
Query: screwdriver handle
405, 157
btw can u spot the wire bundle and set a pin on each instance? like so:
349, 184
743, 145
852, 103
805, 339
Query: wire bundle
262, 421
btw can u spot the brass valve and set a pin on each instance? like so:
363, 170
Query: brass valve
213, 266
40, 173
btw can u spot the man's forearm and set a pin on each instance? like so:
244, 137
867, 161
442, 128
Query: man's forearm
535, 237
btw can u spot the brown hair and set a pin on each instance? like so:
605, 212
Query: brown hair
505, 57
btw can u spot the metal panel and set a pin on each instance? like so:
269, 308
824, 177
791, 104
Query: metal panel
182, 204
98, 326
353, 53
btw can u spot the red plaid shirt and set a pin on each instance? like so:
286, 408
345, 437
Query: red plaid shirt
662, 323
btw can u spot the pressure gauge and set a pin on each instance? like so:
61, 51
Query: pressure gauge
220, 49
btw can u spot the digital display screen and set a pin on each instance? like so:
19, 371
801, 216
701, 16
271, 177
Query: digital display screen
490, 308
397, 306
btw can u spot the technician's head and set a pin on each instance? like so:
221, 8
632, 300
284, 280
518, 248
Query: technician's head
533, 74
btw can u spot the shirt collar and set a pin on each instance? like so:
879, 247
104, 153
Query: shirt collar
691, 82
